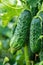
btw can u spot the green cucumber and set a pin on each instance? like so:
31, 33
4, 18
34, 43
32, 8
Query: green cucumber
35, 32
21, 34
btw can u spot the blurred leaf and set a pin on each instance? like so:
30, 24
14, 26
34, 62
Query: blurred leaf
19, 57
11, 12
10, 2
1, 61
0, 1
6, 59
41, 36
7, 12
41, 63
3, 9
15, 63
7, 64
5, 43
1, 45
6, 31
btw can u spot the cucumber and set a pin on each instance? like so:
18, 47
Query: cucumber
35, 32
21, 34
40, 13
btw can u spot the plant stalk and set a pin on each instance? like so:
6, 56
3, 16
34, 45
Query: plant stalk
26, 55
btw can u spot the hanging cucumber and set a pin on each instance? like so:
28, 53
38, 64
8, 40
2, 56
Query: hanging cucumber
35, 32
21, 34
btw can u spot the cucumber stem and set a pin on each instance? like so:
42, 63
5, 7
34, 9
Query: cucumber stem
26, 55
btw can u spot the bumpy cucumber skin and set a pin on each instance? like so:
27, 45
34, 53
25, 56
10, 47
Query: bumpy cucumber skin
40, 13
21, 34
35, 32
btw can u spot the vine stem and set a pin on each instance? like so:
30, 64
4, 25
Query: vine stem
26, 53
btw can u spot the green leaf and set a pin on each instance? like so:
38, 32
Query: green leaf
2, 9
1, 45
6, 31
0, 1
10, 2
6, 59
11, 11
